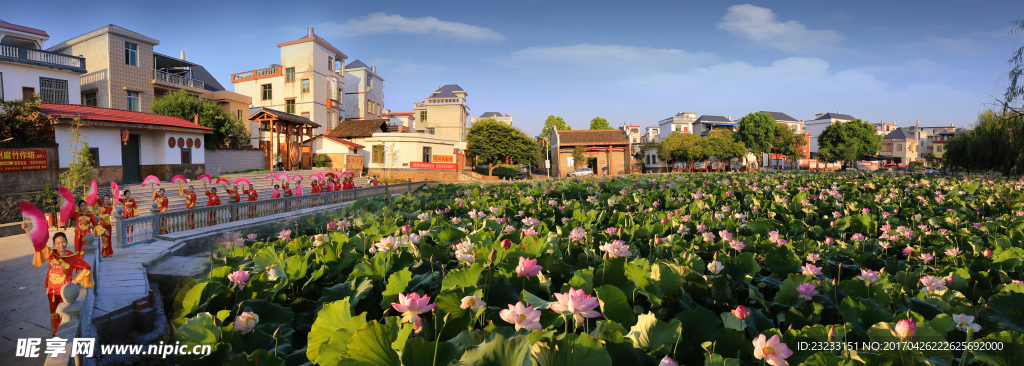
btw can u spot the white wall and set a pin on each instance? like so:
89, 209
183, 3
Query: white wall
16, 76
151, 148
107, 140
173, 156
815, 129
409, 147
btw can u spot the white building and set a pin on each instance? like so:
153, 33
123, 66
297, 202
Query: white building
651, 134
26, 69
403, 121
496, 116
681, 122
651, 161
821, 121
364, 93
707, 123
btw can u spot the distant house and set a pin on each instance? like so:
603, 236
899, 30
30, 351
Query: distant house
798, 129
682, 122
444, 113
27, 70
607, 152
707, 123
938, 145
653, 164
496, 116
821, 121
410, 155
882, 128
902, 144
364, 93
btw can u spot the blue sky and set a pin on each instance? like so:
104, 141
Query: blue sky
940, 62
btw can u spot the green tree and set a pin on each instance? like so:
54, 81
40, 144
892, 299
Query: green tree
553, 123
723, 145
599, 123
681, 147
579, 157
228, 130
929, 158
956, 153
787, 143
846, 142
80, 170
757, 131
492, 142
22, 122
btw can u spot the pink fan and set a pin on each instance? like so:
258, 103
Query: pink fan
297, 177
90, 198
152, 179
317, 175
242, 179
205, 178
223, 180
36, 224
282, 176
67, 203
271, 176
115, 192
332, 175
179, 179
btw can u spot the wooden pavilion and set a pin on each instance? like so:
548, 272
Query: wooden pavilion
283, 133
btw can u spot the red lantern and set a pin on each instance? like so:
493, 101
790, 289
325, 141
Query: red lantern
124, 136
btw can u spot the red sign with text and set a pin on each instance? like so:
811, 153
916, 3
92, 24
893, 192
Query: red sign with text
416, 165
16, 160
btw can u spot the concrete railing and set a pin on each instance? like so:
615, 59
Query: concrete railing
76, 315
148, 228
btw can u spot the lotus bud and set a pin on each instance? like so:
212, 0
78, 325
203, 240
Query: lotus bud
505, 244
832, 333
716, 256
987, 252
277, 333
447, 317
493, 256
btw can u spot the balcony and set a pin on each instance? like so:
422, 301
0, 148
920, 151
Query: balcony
257, 74
41, 58
169, 78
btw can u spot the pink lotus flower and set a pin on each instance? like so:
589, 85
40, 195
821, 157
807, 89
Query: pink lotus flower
908, 251
523, 317
773, 236
411, 306
905, 329
529, 232
708, 237
284, 234
736, 244
771, 350
932, 283
506, 244
245, 322
740, 312
667, 361
331, 226
813, 257
925, 257
953, 252
611, 231
829, 240
701, 228
527, 267
807, 291
725, 235
406, 229
472, 302
715, 267
385, 245
811, 270
238, 279
857, 237
868, 275
616, 249
578, 234
529, 221
965, 322
343, 225
579, 304
251, 236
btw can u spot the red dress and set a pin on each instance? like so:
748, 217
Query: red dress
214, 200
314, 188
130, 210
84, 223
106, 248
236, 198
190, 202
162, 205
349, 184
252, 195
60, 274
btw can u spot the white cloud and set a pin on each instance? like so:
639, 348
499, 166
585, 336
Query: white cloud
759, 25
382, 23
605, 58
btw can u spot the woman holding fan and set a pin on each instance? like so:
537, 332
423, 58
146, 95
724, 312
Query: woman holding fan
131, 208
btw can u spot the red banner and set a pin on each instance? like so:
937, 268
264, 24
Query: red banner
16, 160
444, 158
417, 165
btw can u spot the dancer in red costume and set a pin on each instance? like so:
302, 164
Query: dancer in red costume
106, 208
61, 264
131, 208
212, 200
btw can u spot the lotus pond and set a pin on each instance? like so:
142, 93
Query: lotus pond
723, 269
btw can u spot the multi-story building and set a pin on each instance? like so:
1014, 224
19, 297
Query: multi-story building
821, 121
364, 93
882, 128
902, 144
309, 82
651, 134
633, 134
27, 70
681, 122
402, 121
496, 116
928, 134
707, 123
652, 163
124, 72
444, 113
798, 129
939, 143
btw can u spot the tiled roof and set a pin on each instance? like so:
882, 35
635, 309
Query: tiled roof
836, 116
449, 87
109, 28
115, 115
709, 118
899, 134
341, 141
491, 114
356, 64
779, 116
359, 128
444, 94
592, 137
23, 29
283, 116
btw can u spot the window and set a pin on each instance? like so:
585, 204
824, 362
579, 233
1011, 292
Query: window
239, 114
1, 86
430, 130
131, 54
426, 154
133, 101
53, 90
330, 63
899, 147
938, 149
369, 83
268, 92
94, 152
305, 115
289, 75
423, 116
289, 106
305, 85
186, 155
89, 98
378, 154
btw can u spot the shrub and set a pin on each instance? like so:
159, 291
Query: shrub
321, 161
